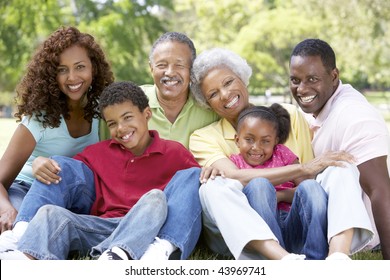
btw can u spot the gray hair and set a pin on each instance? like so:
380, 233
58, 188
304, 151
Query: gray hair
174, 37
216, 58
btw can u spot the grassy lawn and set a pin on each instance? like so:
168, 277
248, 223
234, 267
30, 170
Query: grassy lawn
7, 128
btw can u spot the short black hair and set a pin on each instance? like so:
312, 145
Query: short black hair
316, 47
275, 114
119, 92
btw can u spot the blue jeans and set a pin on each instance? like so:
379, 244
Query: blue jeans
17, 192
54, 232
184, 221
76, 192
302, 230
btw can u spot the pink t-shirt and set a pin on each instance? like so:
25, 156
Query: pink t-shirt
281, 156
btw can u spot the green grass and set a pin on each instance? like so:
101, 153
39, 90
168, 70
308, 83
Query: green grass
7, 128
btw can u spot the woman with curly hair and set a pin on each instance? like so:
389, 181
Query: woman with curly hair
58, 110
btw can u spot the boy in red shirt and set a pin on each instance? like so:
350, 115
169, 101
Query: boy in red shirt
141, 192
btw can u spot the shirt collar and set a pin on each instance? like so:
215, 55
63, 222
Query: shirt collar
157, 145
153, 100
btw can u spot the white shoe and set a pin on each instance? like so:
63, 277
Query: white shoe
160, 249
8, 241
291, 256
13, 255
338, 256
115, 253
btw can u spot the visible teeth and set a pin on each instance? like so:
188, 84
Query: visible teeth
126, 137
75, 87
231, 103
307, 99
171, 83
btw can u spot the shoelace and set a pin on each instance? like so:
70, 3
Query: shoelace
113, 256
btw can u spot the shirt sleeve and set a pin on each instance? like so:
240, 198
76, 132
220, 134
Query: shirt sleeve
206, 148
34, 126
364, 135
285, 154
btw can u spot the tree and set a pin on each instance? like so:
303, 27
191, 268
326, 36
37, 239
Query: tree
125, 28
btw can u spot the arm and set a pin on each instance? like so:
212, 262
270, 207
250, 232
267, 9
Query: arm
375, 181
279, 175
15, 156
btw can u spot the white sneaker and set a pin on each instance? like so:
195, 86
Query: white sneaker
160, 249
338, 256
115, 253
291, 256
13, 255
8, 241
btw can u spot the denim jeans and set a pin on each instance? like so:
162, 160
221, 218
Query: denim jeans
76, 192
17, 192
54, 232
184, 221
303, 229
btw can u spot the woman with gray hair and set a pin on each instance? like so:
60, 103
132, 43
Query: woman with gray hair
231, 225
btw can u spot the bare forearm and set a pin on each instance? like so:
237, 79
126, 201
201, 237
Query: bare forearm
276, 176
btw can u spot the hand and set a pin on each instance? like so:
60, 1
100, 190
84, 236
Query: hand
317, 165
209, 173
46, 170
7, 218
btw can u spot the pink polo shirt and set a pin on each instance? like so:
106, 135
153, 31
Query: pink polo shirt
281, 156
348, 122
121, 178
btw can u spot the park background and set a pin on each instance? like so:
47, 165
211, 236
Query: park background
263, 32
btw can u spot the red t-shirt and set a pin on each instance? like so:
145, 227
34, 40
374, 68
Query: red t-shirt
122, 178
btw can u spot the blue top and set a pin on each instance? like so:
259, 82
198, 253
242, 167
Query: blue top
54, 141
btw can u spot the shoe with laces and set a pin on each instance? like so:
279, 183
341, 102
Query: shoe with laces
160, 249
8, 241
115, 253
13, 255
291, 256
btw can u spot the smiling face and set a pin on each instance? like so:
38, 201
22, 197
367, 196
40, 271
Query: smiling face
74, 73
170, 67
225, 92
129, 126
311, 84
256, 140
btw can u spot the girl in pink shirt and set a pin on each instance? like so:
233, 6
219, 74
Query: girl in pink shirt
261, 132
294, 211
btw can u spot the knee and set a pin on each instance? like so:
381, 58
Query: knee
49, 210
218, 188
191, 172
312, 193
260, 187
62, 159
156, 194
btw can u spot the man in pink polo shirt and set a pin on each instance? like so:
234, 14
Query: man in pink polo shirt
342, 119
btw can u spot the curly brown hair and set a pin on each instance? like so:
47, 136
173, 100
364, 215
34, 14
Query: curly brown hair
38, 92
